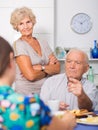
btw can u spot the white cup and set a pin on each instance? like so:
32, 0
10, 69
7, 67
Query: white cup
53, 105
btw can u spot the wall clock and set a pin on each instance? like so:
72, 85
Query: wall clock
81, 23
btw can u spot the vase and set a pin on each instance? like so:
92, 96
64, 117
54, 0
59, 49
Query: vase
94, 51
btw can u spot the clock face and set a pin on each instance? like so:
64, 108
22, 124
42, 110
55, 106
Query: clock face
81, 23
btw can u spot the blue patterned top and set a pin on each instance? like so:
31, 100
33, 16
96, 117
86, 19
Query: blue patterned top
18, 112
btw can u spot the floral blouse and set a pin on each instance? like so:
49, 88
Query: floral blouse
18, 112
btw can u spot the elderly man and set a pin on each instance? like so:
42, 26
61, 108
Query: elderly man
73, 91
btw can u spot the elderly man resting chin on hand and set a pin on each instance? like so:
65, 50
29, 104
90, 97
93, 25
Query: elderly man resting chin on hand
71, 88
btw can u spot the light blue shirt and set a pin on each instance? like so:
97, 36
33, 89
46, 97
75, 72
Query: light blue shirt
55, 87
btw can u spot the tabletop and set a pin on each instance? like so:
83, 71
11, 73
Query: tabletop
86, 126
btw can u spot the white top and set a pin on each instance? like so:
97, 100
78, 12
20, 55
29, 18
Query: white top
55, 87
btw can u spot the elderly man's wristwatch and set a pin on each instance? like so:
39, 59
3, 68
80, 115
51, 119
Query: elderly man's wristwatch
43, 68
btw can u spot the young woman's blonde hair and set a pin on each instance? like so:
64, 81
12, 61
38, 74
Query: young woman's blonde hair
19, 14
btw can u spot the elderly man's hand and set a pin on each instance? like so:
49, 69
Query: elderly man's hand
75, 87
63, 106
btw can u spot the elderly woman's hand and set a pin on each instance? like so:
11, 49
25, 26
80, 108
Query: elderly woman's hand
52, 59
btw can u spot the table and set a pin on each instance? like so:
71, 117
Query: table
86, 127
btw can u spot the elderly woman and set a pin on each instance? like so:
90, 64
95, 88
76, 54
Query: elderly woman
18, 112
35, 60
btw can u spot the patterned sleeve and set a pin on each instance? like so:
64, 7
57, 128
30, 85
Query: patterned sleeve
19, 48
18, 112
45, 116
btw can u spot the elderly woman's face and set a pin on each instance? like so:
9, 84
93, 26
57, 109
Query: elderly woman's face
75, 66
25, 27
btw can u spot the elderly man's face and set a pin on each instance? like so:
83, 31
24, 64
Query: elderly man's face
75, 65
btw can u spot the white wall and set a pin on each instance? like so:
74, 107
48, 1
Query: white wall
65, 10
54, 27
65, 36
44, 11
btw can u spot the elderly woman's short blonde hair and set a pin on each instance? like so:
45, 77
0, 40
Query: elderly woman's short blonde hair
19, 14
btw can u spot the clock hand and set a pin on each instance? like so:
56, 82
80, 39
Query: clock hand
84, 21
